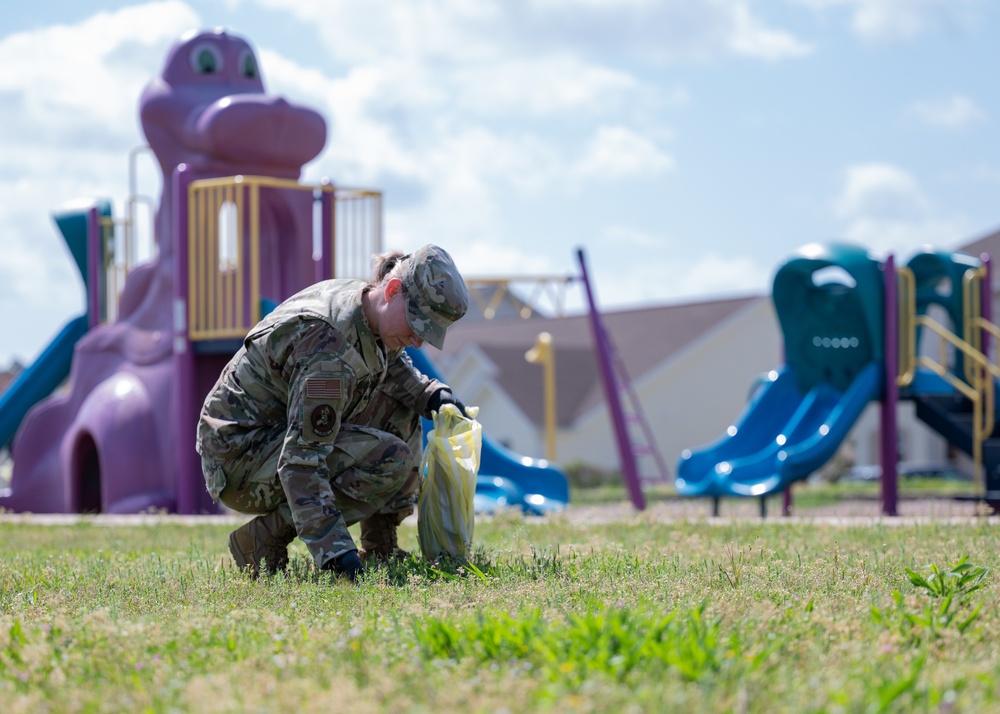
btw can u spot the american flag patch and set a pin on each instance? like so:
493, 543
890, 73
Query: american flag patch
323, 388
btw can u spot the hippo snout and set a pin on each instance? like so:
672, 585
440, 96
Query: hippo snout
259, 128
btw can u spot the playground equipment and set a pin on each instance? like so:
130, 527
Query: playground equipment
234, 237
852, 326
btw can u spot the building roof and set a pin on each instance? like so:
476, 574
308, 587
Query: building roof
989, 243
645, 338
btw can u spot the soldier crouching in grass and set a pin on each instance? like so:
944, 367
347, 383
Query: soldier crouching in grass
315, 422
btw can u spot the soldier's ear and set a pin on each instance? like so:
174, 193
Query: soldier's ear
393, 288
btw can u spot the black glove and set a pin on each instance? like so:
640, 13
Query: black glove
442, 397
346, 564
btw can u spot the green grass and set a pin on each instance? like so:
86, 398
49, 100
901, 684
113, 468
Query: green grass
553, 615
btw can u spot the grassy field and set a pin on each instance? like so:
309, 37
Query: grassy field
557, 615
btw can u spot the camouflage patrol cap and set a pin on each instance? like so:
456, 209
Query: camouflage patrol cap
435, 292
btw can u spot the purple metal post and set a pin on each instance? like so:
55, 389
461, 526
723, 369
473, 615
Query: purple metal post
188, 477
890, 456
986, 301
786, 501
629, 471
327, 243
94, 264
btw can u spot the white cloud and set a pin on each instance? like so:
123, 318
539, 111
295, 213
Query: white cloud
904, 236
668, 30
419, 31
479, 258
715, 274
648, 278
633, 236
881, 191
440, 55
410, 127
952, 112
404, 114
883, 208
751, 37
886, 20
615, 152
542, 85
360, 146
78, 65
473, 31
69, 112
437, 87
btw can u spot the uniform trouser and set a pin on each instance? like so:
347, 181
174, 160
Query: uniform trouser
366, 474
388, 414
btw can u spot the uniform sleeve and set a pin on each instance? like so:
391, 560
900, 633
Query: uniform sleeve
409, 385
320, 385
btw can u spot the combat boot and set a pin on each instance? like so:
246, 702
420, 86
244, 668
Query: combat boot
264, 538
378, 538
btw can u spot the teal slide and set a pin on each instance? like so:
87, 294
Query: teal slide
829, 302
40, 379
50, 369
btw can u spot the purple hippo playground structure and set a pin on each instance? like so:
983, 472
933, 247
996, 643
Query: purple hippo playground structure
235, 234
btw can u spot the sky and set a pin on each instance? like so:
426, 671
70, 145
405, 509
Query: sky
688, 146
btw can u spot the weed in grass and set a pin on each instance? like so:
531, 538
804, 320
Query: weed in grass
926, 621
961, 579
735, 565
608, 642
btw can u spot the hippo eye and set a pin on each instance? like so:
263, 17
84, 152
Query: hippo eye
248, 65
206, 59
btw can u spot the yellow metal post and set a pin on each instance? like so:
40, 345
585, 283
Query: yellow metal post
544, 354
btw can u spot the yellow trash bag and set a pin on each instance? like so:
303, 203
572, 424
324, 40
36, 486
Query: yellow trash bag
445, 511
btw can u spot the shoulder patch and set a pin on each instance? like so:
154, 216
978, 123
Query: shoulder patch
323, 419
324, 388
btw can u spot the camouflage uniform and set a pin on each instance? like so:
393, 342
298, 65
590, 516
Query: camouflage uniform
388, 412
312, 417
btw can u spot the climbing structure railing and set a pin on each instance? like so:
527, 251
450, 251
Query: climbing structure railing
977, 383
224, 254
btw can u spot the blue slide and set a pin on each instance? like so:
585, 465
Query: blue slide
506, 478
40, 379
829, 303
782, 436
